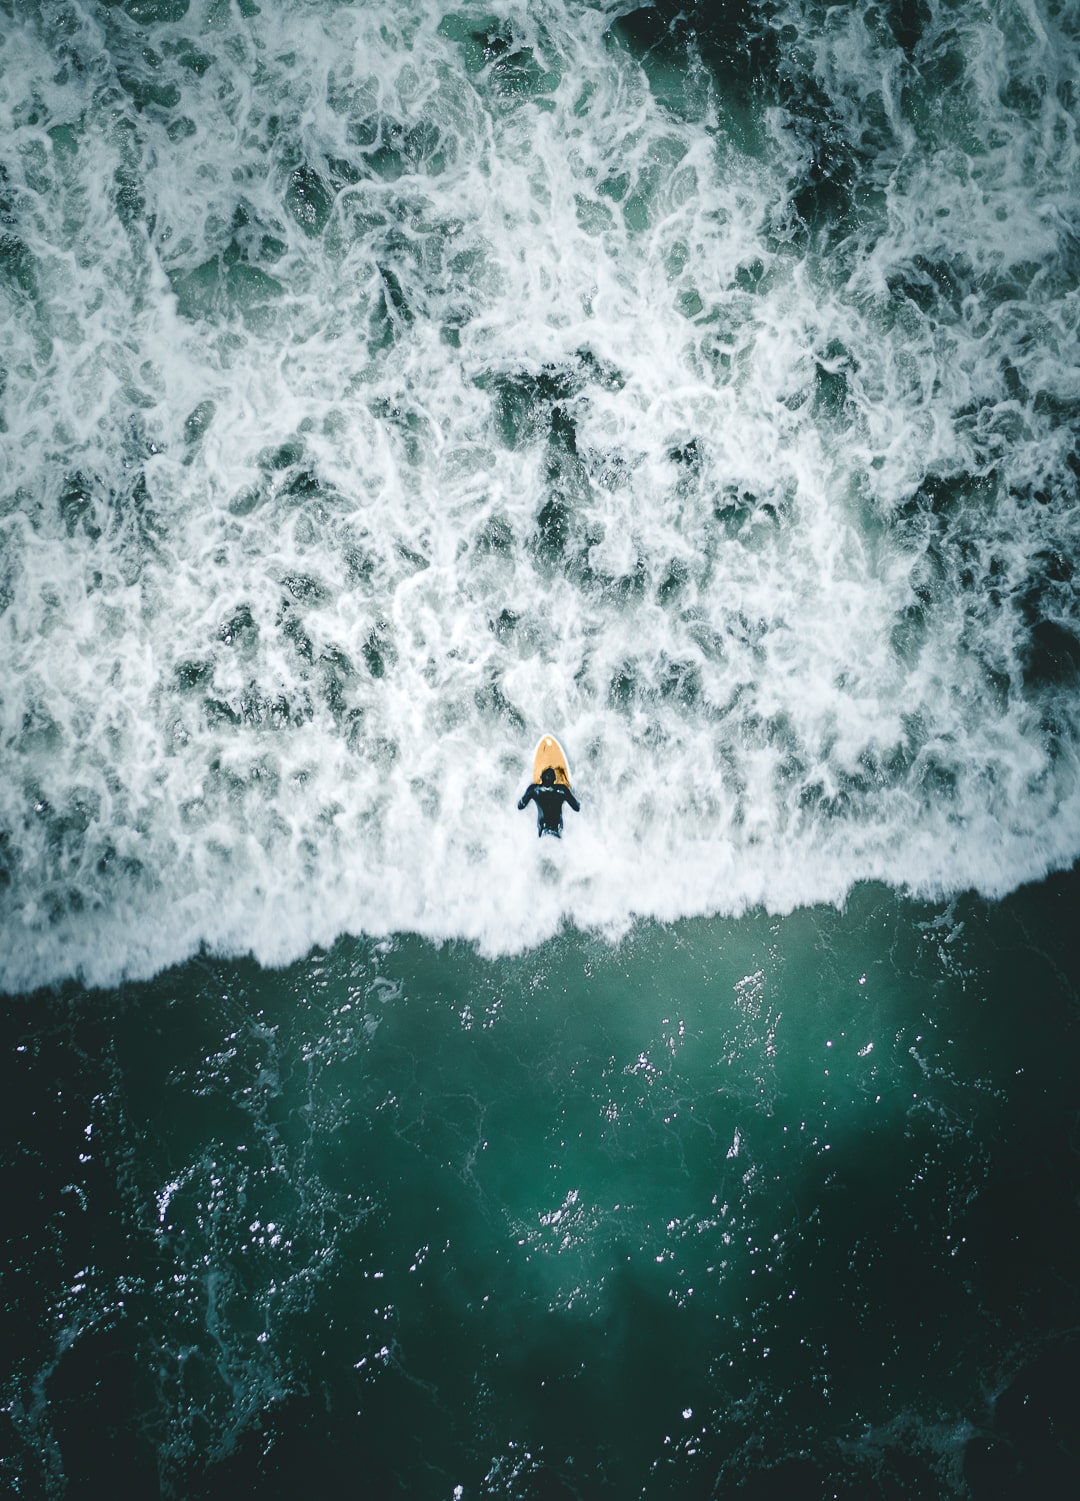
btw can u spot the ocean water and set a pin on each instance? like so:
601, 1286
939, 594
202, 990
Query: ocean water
382, 386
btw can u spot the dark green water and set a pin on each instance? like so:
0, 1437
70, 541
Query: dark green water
381, 387
776, 1207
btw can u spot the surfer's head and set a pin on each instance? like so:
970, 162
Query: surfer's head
547, 776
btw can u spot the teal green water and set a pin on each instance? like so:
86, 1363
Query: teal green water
776, 1205
381, 387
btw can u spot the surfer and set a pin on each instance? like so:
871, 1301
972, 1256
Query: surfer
549, 796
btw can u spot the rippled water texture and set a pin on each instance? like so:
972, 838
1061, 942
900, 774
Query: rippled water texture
383, 387
779, 1208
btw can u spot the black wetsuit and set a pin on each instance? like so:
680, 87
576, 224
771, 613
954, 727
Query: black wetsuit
549, 805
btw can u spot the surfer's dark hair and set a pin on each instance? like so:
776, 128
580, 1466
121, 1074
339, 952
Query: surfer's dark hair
547, 776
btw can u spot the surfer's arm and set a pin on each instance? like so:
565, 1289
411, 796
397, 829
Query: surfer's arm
572, 800
527, 796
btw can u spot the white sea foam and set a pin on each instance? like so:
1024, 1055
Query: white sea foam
382, 391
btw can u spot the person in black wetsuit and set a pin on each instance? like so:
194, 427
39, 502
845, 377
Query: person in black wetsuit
549, 796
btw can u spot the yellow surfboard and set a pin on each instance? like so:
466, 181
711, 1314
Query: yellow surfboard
550, 753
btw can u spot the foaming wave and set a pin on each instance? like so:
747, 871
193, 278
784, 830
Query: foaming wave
382, 392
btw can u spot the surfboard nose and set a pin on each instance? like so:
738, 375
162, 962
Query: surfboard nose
550, 753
